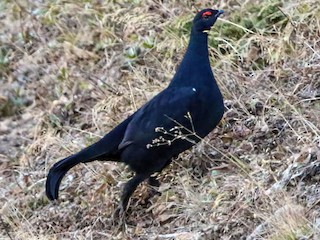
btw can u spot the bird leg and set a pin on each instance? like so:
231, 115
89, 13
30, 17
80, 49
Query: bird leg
153, 181
131, 186
154, 185
128, 190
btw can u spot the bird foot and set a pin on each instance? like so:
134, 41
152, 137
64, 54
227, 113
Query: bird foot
118, 217
154, 184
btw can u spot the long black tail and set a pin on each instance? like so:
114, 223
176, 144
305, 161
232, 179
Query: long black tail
104, 148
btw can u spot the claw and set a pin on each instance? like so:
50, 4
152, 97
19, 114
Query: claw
118, 217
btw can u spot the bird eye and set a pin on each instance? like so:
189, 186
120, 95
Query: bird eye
206, 14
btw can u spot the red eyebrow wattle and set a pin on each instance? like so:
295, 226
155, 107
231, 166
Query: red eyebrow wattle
207, 13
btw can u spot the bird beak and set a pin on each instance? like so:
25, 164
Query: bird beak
219, 13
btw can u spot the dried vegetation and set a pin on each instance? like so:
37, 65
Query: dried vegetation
72, 70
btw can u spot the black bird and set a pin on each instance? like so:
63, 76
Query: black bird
170, 123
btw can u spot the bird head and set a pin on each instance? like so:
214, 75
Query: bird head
205, 19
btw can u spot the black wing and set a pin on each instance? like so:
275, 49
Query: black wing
168, 114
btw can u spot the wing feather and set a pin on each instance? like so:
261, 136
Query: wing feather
163, 112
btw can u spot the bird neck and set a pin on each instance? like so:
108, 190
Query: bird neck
198, 45
195, 62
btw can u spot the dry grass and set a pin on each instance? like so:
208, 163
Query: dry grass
72, 70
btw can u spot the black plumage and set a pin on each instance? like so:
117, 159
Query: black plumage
170, 123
